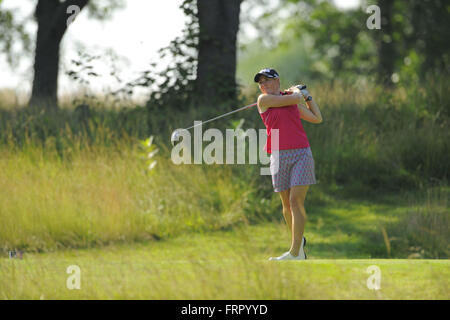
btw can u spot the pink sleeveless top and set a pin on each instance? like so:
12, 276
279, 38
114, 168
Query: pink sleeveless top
287, 121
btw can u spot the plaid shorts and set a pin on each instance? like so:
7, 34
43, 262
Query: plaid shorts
295, 168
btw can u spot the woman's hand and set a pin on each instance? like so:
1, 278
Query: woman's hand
292, 90
299, 89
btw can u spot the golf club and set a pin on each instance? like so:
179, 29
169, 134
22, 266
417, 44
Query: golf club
176, 134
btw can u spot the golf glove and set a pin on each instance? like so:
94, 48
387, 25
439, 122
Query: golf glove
304, 92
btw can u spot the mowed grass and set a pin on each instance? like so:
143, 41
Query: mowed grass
218, 265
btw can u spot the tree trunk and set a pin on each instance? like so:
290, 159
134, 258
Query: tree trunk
429, 20
386, 49
216, 69
46, 60
51, 16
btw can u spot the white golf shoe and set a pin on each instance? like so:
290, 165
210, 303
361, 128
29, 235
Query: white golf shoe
302, 254
289, 256
284, 256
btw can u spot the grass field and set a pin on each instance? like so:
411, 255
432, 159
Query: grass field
219, 265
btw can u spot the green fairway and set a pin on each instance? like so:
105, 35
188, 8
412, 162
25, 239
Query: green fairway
220, 265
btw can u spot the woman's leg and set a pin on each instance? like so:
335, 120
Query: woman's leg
284, 195
297, 197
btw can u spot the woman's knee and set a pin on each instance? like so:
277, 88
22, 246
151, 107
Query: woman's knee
298, 208
296, 203
287, 211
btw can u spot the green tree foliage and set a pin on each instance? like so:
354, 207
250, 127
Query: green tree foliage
410, 30
103, 9
413, 38
12, 31
425, 28
339, 38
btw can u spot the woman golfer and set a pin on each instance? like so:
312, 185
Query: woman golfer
291, 160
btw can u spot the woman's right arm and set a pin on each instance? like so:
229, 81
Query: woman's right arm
266, 101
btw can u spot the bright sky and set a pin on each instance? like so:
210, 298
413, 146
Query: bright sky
347, 4
134, 33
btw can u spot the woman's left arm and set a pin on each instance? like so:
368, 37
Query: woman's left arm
311, 112
314, 108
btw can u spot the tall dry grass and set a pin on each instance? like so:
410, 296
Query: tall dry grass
98, 197
424, 231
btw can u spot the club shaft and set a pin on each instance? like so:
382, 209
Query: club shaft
223, 115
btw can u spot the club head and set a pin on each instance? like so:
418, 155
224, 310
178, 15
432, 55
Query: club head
175, 137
